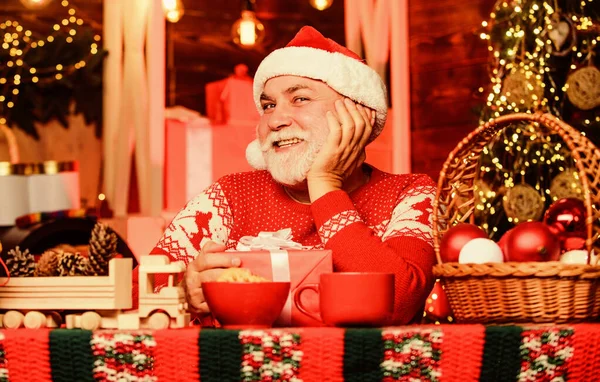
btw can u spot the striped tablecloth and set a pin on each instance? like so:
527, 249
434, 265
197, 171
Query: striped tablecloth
410, 353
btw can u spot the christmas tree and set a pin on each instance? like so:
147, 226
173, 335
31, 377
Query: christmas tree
543, 58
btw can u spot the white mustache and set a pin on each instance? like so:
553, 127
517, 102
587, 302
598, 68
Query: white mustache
280, 136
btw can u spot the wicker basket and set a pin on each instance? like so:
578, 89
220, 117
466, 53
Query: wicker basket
510, 293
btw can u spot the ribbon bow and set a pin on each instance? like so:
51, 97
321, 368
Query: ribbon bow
281, 239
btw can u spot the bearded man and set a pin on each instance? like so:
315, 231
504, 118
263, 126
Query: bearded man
319, 105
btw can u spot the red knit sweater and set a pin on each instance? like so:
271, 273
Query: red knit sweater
383, 226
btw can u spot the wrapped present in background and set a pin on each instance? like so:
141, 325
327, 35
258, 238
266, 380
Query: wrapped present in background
198, 152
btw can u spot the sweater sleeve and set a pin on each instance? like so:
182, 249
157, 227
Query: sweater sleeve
205, 217
402, 245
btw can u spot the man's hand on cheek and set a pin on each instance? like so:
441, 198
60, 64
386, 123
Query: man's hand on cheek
343, 150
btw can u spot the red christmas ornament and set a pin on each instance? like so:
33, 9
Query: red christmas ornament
456, 238
532, 241
572, 243
566, 220
437, 307
503, 243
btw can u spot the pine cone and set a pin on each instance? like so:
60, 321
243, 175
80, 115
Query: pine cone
73, 264
103, 246
47, 265
20, 263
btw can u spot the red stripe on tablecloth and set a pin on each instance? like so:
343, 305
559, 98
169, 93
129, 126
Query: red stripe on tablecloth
462, 352
28, 355
323, 358
176, 356
586, 353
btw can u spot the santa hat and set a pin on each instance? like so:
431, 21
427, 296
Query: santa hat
311, 55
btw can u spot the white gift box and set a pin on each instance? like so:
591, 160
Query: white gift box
14, 194
40, 187
54, 187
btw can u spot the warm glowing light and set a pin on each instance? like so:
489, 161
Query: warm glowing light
321, 5
35, 4
173, 10
248, 30
247, 34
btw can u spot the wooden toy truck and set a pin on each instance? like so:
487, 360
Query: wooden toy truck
93, 302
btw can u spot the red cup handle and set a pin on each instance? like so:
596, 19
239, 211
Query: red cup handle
298, 292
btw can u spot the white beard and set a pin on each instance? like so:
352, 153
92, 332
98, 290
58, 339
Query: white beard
289, 168
292, 167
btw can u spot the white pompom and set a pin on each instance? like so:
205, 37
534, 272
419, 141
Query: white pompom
577, 256
254, 156
479, 251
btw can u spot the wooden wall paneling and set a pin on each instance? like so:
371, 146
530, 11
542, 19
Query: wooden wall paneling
446, 97
431, 147
448, 66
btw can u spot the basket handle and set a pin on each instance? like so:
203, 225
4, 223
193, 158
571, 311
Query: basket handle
488, 130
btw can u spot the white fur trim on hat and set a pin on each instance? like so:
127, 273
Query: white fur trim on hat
346, 75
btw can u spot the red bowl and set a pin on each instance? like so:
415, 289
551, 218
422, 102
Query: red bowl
246, 304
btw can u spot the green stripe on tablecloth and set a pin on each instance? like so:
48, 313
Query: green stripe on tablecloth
363, 354
220, 355
71, 355
501, 357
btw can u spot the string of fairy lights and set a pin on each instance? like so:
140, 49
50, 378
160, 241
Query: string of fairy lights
511, 55
526, 40
18, 42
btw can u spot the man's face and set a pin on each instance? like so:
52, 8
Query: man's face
293, 127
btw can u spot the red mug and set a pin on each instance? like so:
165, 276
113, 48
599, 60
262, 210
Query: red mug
351, 298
